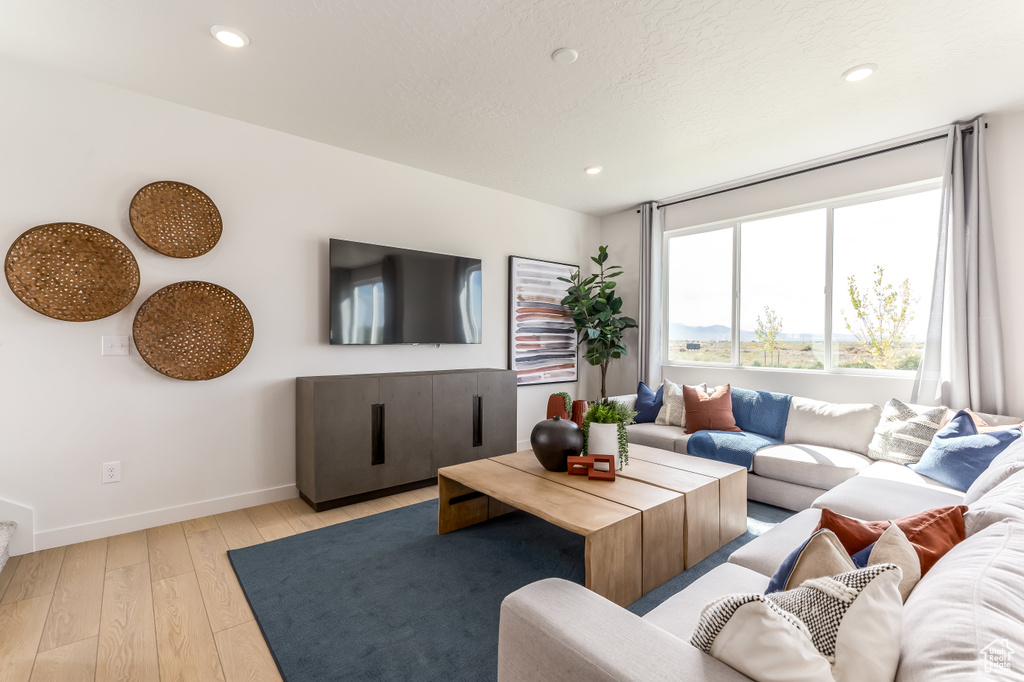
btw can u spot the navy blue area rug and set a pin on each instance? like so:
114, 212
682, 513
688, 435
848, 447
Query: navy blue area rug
386, 598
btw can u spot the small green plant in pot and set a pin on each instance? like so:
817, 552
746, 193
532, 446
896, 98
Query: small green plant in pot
604, 430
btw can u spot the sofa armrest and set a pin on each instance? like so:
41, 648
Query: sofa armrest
628, 400
557, 630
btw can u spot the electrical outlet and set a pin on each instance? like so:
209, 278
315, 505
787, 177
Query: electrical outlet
111, 472
115, 345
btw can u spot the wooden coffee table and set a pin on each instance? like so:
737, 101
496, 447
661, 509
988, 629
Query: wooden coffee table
663, 513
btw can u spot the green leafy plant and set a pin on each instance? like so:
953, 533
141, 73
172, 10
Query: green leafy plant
609, 412
881, 318
568, 401
767, 334
597, 314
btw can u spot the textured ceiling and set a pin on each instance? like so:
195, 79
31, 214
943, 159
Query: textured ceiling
668, 96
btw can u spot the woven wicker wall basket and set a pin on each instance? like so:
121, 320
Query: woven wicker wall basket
175, 219
193, 331
72, 272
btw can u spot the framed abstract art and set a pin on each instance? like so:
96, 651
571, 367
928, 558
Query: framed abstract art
542, 341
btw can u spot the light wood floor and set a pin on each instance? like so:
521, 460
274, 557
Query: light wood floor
161, 604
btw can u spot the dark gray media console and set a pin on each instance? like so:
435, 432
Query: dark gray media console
363, 436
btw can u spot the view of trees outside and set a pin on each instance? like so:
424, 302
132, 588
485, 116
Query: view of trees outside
882, 267
700, 297
883, 260
782, 270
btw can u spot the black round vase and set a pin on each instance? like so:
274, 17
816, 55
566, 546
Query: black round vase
554, 441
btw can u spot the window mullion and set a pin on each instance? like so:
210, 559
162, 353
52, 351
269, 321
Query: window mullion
736, 287
828, 287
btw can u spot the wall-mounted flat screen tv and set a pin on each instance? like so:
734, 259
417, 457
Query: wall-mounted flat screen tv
382, 294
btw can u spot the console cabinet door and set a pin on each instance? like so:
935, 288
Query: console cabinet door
343, 414
408, 429
497, 391
454, 399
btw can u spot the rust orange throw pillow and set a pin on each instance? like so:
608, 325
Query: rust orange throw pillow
708, 412
933, 532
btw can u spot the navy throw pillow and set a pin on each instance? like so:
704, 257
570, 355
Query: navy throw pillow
958, 453
648, 403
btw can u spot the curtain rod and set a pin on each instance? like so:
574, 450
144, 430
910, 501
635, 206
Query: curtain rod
966, 130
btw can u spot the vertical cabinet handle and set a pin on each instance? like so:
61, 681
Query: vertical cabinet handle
377, 435
478, 421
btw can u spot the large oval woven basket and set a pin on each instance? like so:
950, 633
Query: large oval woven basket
72, 272
193, 331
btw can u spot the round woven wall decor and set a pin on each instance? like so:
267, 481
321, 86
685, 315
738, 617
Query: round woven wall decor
72, 272
175, 219
193, 331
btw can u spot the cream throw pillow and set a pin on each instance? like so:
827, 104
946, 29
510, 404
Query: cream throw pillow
893, 547
673, 411
845, 628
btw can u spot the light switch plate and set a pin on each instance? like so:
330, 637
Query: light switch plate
115, 345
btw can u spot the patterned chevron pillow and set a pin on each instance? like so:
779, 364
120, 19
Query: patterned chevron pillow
843, 628
904, 433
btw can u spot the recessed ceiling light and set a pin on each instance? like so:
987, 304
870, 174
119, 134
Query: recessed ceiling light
565, 55
231, 37
859, 73
592, 170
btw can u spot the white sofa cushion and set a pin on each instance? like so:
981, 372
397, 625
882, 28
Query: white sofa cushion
1009, 462
846, 426
1005, 501
816, 466
890, 471
876, 499
764, 554
680, 613
657, 436
967, 606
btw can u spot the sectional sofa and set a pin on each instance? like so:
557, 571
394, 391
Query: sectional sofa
824, 444
968, 607
964, 620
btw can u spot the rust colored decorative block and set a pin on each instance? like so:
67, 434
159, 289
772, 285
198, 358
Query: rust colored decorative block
580, 466
602, 475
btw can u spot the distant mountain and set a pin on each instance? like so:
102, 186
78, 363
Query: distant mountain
719, 332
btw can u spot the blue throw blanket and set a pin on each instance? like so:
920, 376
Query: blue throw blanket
761, 415
761, 412
733, 447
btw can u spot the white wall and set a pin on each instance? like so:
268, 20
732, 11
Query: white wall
75, 150
621, 233
1006, 169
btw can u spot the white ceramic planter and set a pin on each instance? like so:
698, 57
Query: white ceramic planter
603, 439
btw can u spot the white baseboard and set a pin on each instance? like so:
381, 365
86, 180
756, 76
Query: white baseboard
523, 445
58, 537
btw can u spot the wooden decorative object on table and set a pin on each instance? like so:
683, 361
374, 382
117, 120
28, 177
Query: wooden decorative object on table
193, 331
175, 219
579, 408
72, 272
596, 474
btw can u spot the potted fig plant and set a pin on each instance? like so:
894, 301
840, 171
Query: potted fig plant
597, 314
604, 430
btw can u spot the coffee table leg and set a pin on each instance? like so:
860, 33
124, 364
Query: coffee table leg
734, 506
458, 506
614, 558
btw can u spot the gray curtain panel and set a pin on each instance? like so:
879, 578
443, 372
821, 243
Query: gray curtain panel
652, 241
963, 354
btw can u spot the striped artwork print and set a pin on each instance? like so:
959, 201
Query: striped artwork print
542, 347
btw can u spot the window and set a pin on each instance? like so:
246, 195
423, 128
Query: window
842, 285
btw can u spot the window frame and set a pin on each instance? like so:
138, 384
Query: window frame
830, 205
